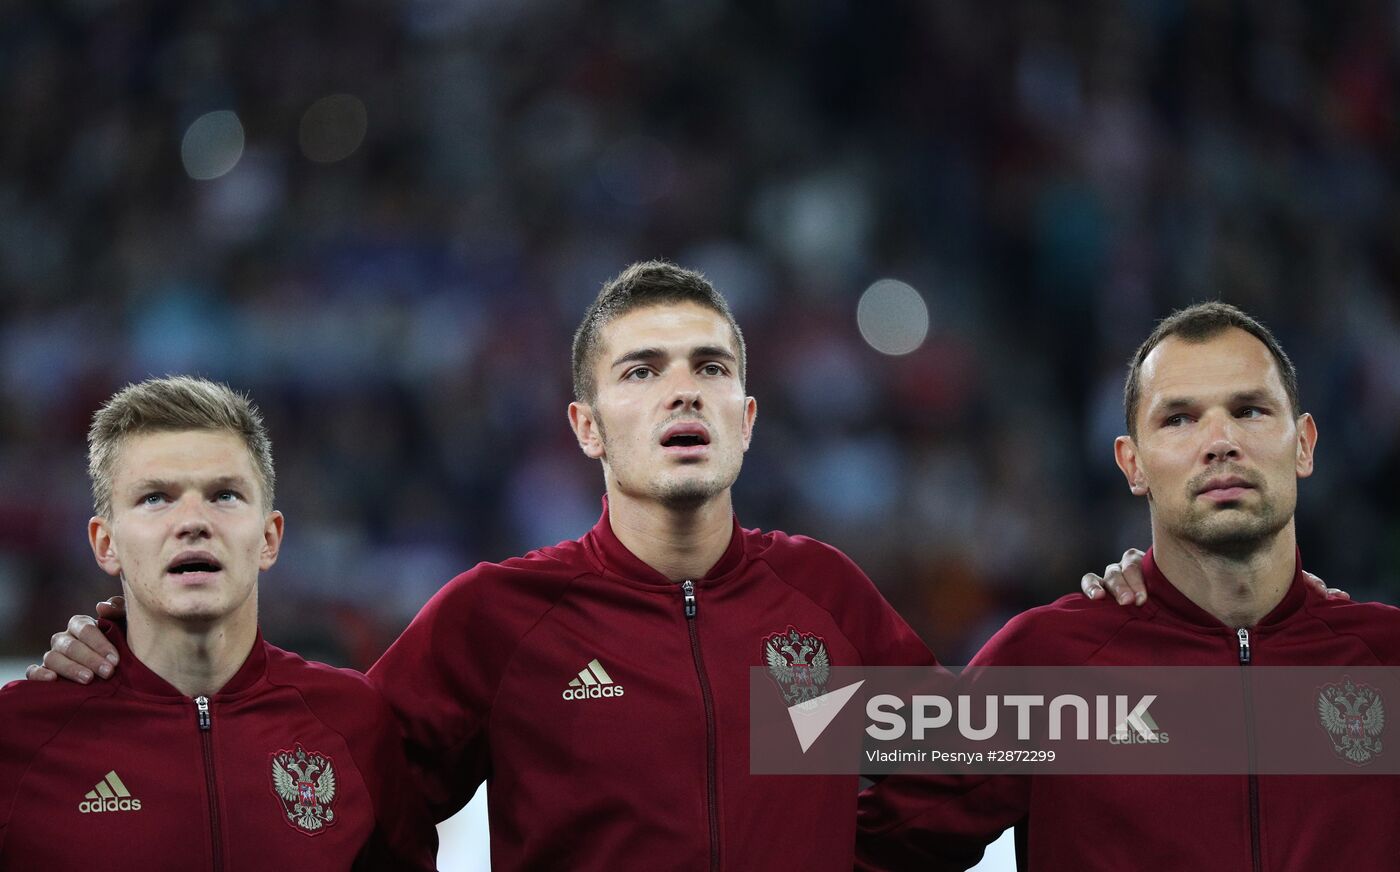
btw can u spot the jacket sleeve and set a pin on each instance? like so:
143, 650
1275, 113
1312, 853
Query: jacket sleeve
935, 821
441, 676
403, 834
441, 695
908, 821
31, 714
10, 769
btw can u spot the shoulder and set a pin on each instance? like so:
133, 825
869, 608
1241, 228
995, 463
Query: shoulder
35, 701
32, 713
799, 560
317, 679
539, 576
471, 626
288, 668
818, 571
344, 699
1376, 625
1066, 632
826, 577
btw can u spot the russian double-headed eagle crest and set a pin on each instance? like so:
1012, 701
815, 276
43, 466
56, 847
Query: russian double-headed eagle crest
304, 782
1354, 717
798, 663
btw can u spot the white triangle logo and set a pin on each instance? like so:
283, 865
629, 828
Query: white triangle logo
811, 718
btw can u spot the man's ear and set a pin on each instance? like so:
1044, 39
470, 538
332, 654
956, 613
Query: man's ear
104, 549
1307, 442
273, 527
750, 415
1126, 455
587, 429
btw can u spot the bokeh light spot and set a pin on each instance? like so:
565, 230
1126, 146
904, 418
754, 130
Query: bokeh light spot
892, 317
213, 145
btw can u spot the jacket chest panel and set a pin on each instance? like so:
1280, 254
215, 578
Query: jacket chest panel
598, 688
139, 777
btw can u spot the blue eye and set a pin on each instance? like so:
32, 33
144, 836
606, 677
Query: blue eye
227, 496
1250, 412
1175, 420
152, 499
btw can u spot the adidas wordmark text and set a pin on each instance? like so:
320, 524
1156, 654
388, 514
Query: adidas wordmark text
593, 682
109, 794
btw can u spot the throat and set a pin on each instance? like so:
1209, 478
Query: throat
678, 542
1237, 591
195, 660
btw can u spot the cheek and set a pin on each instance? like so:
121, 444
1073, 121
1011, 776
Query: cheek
619, 421
134, 548
1163, 472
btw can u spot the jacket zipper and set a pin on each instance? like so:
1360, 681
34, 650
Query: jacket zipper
711, 784
1246, 657
201, 704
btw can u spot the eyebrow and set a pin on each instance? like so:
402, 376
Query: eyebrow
147, 485
1172, 404
642, 355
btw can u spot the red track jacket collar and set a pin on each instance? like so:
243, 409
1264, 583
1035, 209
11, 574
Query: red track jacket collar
1164, 597
611, 557
138, 676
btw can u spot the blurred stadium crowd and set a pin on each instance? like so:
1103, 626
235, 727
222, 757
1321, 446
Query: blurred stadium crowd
400, 210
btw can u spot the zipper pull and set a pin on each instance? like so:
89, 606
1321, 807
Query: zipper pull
1244, 645
688, 588
202, 703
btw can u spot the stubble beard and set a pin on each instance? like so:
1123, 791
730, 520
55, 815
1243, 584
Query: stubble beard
688, 495
1236, 532
678, 496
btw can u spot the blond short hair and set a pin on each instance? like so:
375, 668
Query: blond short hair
169, 404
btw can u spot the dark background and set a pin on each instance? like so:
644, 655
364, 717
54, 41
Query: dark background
394, 273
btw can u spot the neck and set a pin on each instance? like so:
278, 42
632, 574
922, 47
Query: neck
197, 659
1238, 589
680, 543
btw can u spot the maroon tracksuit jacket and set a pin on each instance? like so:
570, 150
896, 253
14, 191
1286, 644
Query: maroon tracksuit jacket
1199, 823
607, 707
292, 765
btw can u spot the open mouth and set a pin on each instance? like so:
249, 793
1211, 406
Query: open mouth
189, 564
685, 436
684, 440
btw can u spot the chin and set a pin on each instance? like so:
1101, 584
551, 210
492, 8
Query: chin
688, 494
198, 614
1233, 536
200, 606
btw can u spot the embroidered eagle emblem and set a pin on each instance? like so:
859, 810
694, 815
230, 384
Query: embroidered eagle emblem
304, 782
1354, 717
798, 663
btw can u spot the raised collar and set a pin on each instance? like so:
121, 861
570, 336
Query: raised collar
139, 677
612, 557
1168, 598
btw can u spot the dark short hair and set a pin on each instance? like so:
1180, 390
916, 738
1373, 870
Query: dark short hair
649, 283
1197, 324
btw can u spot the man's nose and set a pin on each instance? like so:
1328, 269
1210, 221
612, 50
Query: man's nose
192, 521
1222, 439
686, 394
